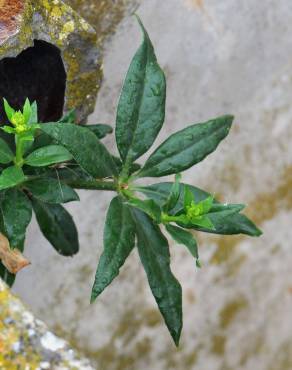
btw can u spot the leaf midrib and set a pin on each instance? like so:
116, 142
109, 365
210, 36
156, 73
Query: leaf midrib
128, 156
169, 296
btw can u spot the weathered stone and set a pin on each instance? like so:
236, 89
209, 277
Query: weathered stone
220, 57
26, 343
48, 53
103, 15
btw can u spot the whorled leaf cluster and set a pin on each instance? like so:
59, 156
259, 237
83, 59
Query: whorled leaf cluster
42, 164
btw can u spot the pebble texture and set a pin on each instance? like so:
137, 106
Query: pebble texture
26, 343
23, 21
219, 57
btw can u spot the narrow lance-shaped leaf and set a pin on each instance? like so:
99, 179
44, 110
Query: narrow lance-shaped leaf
186, 238
50, 190
187, 147
48, 155
154, 254
57, 226
119, 240
85, 147
6, 154
141, 108
16, 215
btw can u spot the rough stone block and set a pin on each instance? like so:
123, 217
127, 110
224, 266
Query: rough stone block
48, 53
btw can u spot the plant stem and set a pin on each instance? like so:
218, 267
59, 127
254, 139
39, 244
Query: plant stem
165, 218
19, 149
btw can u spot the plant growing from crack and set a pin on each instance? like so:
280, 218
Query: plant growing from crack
45, 162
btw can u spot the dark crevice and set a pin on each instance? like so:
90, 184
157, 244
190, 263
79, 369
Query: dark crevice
37, 73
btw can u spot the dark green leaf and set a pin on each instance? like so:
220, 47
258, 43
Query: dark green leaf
11, 177
16, 215
141, 108
50, 190
187, 147
86, 149
119, 240
48, 155
6, 154
154, 254
77, 178
58, 227
100, 130
5, 275
234, 223
148, 206
184, 237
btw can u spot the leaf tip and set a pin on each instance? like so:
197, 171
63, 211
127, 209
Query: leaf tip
176, 337
92, 298
258, 232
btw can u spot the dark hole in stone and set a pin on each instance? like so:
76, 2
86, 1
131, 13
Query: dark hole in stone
37, 73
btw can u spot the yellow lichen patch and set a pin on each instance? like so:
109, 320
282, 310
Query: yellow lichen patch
190, 360
225, 248
10, 334
26, 342
230, 310
234, 265
78, 91
218, 345
152, 317
103, 15
264, 207
56, 12
66, 30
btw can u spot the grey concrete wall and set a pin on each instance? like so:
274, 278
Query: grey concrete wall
220, 57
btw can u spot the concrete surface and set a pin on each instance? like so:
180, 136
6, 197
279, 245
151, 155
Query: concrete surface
219, 57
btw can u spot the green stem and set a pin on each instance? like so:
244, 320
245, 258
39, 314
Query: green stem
165, 218
19, 152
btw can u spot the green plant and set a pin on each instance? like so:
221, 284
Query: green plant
47, 161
